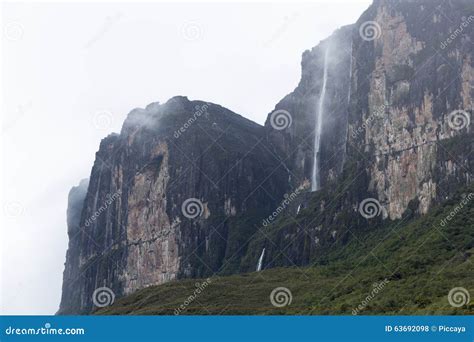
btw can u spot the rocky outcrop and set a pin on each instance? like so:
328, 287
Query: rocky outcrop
178, 193
190, 189
74, 210
408, 143
295, 143
405, 93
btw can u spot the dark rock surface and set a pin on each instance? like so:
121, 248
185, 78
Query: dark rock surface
401, 149
386, 134
295, 144
134, 231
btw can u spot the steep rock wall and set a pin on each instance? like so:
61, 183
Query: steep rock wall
405, 87
295, 144
178, 193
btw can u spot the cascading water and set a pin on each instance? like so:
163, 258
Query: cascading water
260, 261
317, 131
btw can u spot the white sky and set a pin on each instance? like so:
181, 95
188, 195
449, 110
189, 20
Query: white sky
71, 73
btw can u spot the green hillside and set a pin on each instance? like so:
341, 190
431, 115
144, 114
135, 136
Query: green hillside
413, 263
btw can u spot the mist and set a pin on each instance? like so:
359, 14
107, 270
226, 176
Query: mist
71, 74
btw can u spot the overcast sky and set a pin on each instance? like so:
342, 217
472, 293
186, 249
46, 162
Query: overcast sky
72, 72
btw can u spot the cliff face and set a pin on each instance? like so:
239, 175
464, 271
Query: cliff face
177, 194
295, 143
409, 139
71, 270
183, 190
408, 84
393, 80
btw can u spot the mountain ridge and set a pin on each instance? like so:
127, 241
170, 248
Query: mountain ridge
192, 182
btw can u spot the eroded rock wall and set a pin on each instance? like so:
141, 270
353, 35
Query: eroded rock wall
134, 231
405, 86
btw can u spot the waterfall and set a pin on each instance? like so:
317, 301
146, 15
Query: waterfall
315, 183
260, 260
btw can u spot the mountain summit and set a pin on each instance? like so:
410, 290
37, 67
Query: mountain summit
377, 130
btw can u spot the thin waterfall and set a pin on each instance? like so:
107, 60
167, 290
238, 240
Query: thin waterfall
260, 260
315, 182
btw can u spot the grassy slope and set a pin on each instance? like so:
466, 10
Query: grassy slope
421, 259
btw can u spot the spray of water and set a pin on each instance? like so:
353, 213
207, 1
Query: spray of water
315, 181
260, 261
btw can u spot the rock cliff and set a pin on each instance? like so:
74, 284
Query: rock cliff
191, 189
178, 193
409, 139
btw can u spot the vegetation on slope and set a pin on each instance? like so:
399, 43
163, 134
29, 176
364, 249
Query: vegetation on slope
413, 263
